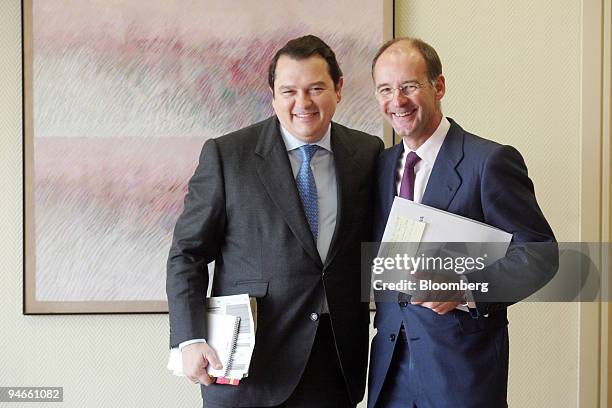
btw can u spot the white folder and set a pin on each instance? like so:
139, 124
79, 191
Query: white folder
442, 226
418, 223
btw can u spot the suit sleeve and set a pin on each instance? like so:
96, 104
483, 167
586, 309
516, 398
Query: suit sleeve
509, 203
198, 237
381, 146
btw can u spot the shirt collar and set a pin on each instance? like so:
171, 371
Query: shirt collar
292, 142
428, 151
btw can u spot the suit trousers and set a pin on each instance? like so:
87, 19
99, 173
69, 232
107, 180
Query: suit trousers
401, 388
322, 384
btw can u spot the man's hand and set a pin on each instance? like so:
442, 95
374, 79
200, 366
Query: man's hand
440, 302
196, 357
438, 307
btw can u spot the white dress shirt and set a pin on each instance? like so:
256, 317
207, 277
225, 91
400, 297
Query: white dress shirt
428, 152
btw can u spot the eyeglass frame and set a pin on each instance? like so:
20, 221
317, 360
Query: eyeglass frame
416, 84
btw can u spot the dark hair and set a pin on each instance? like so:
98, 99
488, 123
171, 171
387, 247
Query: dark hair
429, 54
305, 47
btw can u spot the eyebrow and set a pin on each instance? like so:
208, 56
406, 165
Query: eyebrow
319, 83
290, 87
410, 81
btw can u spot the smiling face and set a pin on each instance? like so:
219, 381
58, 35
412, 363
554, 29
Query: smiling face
413, 117
304, 97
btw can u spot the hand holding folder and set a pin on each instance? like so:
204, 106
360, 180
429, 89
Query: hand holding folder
203, 361
415, 229
231, 326
193, 360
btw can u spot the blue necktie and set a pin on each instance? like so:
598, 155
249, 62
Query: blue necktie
308, 189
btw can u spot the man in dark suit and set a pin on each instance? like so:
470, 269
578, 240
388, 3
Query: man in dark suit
428, 353
281, 207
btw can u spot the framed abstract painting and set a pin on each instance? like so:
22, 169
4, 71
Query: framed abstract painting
119, 98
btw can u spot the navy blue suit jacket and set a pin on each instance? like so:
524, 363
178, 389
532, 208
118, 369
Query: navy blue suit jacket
462, 361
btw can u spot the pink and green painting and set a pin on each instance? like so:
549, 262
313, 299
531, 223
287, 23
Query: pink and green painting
124, 94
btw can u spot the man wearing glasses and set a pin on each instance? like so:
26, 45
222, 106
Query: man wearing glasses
428, 353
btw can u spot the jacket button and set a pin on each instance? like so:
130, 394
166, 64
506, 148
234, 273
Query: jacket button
314, 317
392, 337
403, 304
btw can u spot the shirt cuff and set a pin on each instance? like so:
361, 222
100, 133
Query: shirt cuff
469, 299
188, 342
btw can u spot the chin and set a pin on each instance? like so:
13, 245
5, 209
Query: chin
309, 134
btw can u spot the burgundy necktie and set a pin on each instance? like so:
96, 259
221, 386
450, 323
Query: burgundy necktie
407, 186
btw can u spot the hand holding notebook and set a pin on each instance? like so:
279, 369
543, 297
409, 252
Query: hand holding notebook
193, 360
230, 322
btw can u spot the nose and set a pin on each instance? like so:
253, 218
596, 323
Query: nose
398, 97
303, 99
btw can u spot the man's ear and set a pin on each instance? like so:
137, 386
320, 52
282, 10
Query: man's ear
339, 89
440, 87
271, 92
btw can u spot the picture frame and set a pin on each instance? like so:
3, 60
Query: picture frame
118, 100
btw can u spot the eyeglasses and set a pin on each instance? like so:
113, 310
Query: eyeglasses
407, 90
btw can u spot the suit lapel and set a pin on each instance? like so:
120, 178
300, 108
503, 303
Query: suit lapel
388, 177
346, 167
445, 180
274, 171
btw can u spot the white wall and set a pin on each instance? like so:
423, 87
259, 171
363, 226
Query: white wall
513, 75
512, 71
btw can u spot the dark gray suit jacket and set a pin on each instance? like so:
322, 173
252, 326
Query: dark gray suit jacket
243, 211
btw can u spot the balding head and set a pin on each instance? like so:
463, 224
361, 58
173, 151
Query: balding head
410, 44
409, 86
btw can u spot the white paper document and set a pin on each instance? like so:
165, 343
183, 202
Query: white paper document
242, 307
222, 333
404, 235
441, 226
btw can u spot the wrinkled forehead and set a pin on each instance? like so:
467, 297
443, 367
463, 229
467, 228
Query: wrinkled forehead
400, 62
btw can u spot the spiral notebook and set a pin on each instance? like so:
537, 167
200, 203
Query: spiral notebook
231, 322
222, 336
